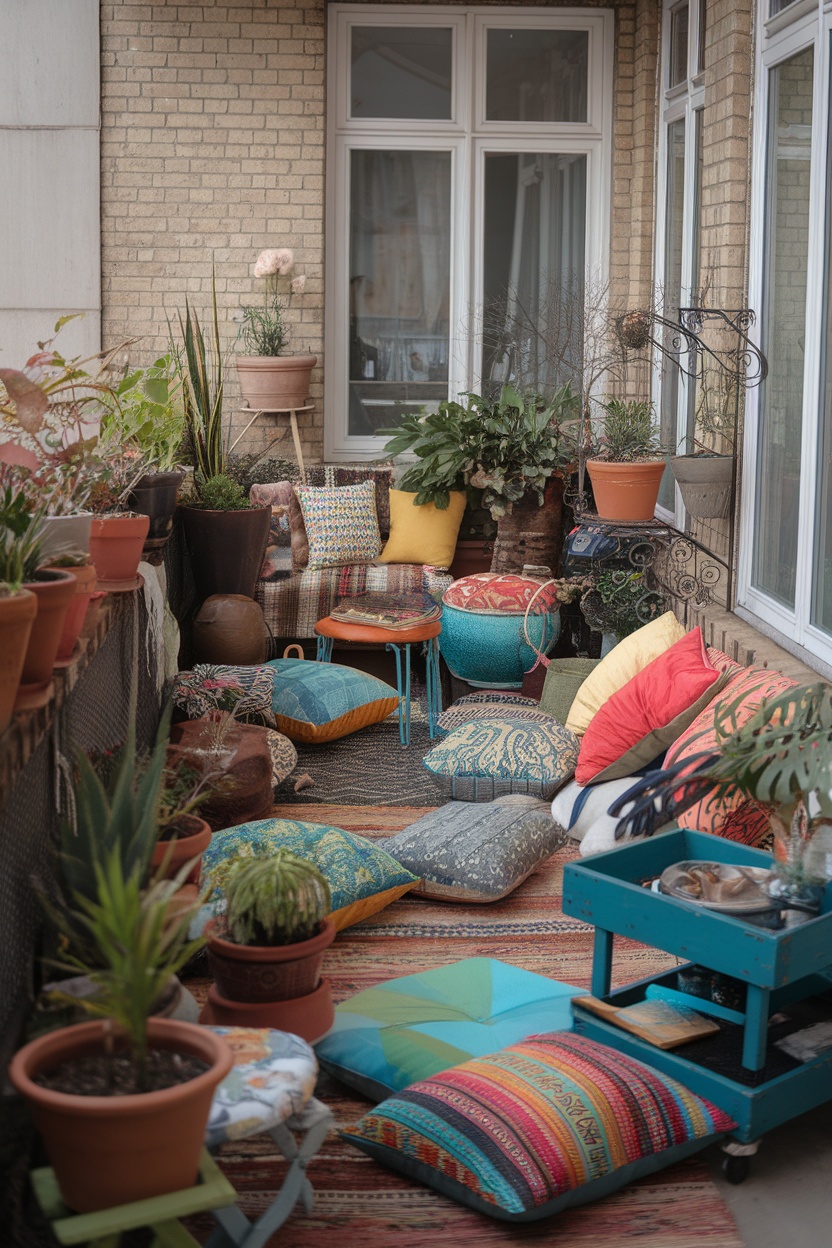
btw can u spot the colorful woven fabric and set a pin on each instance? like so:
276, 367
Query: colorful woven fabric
292, 606
272, 1079
554, 1121
491, 757
210, 686
416, 1026
456, 716
286, 531
341, 524
494, 591
315, 702
283, 754
734, 816
502, 696
357, 871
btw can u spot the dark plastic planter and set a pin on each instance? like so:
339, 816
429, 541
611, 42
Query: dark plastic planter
154, 495
226, 548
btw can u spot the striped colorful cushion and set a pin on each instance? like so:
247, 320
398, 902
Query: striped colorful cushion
734, 816
555, 1121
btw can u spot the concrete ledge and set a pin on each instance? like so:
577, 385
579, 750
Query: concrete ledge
744, 643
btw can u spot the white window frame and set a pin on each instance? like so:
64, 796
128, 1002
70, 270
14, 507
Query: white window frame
469, 138
679, 103
792, 31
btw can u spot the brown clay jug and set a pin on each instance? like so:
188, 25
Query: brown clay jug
229, 628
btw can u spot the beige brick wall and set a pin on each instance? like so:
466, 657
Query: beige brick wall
213, 146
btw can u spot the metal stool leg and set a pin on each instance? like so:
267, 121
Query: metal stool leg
403, 691
323, 653
434, 687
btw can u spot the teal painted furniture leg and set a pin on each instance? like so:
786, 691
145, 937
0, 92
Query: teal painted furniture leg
755, 1036
323, 654
433, 682
601, 962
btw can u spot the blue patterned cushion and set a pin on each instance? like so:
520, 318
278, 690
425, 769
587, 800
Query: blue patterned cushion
362, 877
417, 1026
272, 1080
316, 702
341, 523
557, 1120
457, 716
483, 760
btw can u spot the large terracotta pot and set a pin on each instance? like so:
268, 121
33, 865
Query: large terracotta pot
229, 628
54, 591
275, 382
243, 763
193, 836
108, 1151
116, 549
85, 583
267, 972
625, 491
226, 548
17, 614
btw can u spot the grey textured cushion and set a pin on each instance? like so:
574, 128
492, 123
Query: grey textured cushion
478, 853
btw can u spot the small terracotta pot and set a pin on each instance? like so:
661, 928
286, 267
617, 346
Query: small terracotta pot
17, 614
310, 1017
110, 1150
191, 841
625, 491
267, 972
116, 549
275, 382
85, 580
54, 591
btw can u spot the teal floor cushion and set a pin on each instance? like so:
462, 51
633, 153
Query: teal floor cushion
411, 1028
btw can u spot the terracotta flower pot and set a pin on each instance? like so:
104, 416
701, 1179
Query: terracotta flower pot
116, 549
243, 763
191, 840
110, 1150
275, 382
17, 614
267, 972
85, 582
226, 548
54, 591
309, 1017
625, 491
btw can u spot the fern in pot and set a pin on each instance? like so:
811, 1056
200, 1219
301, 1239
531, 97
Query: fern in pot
266, 949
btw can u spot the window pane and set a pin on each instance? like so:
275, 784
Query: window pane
678, 46
777, 6
533, 262
783, 326
536, 75
673, 239
400, 262
822, 587
401, 71
703, 33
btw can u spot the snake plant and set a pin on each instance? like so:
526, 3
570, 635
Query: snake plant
275, 900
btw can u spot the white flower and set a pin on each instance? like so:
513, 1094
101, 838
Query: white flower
285, 260
268, 263
298, 284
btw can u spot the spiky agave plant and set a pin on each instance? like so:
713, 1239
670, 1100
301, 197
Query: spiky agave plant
278, 899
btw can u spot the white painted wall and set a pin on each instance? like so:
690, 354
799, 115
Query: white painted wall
50, 234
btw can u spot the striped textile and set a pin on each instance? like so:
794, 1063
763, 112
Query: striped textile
533, 1128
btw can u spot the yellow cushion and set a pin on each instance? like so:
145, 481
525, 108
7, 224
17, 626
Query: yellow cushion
422, 534
622, 663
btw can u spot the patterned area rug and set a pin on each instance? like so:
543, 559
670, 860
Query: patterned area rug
359, 1204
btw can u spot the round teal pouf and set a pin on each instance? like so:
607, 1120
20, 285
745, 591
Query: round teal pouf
488, 649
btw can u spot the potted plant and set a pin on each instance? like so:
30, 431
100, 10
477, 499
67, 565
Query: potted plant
705, 475
270, 380
18, 608
617, 602
148, 416
516, 449
122, 1103
83, 573
266, 949
183, 834
627, 461
117, 534
225, 535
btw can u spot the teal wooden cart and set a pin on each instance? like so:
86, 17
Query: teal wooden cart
779, 969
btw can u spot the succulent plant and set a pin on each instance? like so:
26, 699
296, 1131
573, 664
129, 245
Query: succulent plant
279, 899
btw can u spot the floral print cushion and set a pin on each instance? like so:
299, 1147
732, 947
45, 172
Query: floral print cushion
271, 1081
247, 690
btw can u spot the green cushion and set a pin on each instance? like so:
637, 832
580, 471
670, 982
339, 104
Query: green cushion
564, 678
411, 1028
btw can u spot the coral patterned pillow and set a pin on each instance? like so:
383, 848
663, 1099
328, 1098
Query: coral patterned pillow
733, 816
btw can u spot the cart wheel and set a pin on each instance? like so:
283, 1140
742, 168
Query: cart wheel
735, 1169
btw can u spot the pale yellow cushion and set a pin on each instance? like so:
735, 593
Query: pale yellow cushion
622, 663
422, 534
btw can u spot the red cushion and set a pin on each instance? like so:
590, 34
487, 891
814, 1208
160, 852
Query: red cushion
646, 716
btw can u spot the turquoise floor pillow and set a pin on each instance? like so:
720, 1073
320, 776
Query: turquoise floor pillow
387, 1037
317, 702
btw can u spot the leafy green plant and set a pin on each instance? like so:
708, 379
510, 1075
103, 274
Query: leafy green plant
202, 391
275, 900
148, 415
220, 493
20, 532
619, 601
263, 331
504, 447
629, 432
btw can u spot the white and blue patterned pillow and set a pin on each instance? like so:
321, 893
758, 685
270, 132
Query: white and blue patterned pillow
341, 524
490, 757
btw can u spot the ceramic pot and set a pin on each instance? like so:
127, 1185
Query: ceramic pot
625, 491
226, 548
154, 495
116, 549
705, 483
85, 582
229, 628
17, 614
110, 1150
192, 838
90, 623
488, 649
54, 591
65, 535
309, 1017
267, 972
242, 762
275, 382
